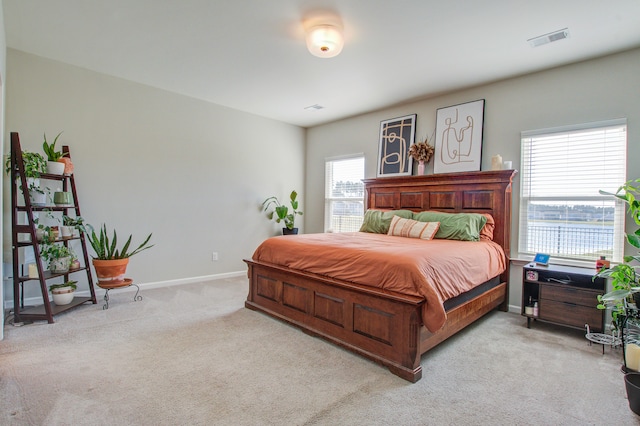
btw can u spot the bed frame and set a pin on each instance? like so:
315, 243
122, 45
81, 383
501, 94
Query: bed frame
383, 326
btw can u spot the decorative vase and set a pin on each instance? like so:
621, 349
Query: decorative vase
111, 272
64, 198
62, 295
287, 231
420, 168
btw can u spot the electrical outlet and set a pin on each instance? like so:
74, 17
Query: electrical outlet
214, 256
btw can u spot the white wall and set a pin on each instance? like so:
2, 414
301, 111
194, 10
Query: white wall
3, 73
594, 90
147, 160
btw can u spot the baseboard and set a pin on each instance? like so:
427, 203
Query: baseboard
516, 309
34, 301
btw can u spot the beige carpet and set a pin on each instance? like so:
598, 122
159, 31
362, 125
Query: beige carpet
193, 355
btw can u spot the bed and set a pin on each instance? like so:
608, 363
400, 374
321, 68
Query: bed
387, 325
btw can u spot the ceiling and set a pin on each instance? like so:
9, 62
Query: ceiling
251, 55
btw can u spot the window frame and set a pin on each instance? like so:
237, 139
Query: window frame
329, 200
527, 200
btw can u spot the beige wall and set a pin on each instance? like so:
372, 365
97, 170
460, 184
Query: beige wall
3, 73
194, 173
147, 160
594, 90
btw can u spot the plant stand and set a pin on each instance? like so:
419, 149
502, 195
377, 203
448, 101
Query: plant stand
24, 237
128, 282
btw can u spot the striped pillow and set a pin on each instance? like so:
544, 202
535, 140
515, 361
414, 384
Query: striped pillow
412, 228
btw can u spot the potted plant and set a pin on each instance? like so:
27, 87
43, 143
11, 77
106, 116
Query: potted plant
34, 166
110, 262
62, 294
281, 212
58, 256
44, 233
422, 153
624, 306
54, 165
70, 224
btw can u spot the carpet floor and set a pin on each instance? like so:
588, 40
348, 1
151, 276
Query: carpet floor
193, 355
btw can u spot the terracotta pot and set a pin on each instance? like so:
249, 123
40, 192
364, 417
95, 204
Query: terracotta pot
110, 272
68, 165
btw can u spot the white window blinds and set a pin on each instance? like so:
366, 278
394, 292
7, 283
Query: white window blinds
562, 212
344, 194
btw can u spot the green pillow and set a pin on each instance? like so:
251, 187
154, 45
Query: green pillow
378, 221
455, 226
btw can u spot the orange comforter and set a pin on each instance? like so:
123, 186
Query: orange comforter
435, 269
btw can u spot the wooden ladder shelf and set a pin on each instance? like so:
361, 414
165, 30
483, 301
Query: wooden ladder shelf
23, 225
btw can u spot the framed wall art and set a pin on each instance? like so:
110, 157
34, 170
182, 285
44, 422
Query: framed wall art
396, 136
458, 146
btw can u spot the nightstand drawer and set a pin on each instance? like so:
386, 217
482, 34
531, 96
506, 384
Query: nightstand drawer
570, 314
569, 294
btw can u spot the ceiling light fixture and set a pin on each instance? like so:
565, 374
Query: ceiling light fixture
325, 40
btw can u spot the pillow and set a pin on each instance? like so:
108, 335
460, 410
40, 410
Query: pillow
486, 233
412, 228
455, 226
378, 221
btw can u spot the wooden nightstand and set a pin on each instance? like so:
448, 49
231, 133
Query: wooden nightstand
566, 295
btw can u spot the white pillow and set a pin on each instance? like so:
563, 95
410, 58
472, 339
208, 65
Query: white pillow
412, 228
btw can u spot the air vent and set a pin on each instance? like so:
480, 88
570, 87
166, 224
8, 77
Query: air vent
549, 38
314, 107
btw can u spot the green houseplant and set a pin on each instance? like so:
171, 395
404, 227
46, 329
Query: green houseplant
63, 293
50, 149
625, 286
624, 276
54, 165
34, 166
69, 224
281, 212
110, 262
58, 256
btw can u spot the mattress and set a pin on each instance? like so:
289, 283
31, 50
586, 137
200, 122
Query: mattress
436, 270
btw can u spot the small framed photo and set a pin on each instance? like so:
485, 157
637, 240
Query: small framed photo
542, 259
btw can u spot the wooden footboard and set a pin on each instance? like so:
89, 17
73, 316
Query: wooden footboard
382, 326
378, 325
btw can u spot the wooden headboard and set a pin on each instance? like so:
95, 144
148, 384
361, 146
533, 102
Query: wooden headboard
470, 192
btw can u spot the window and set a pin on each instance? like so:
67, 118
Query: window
562, 212
344, 194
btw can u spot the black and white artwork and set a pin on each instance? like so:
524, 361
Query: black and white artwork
396, 136
458, 146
